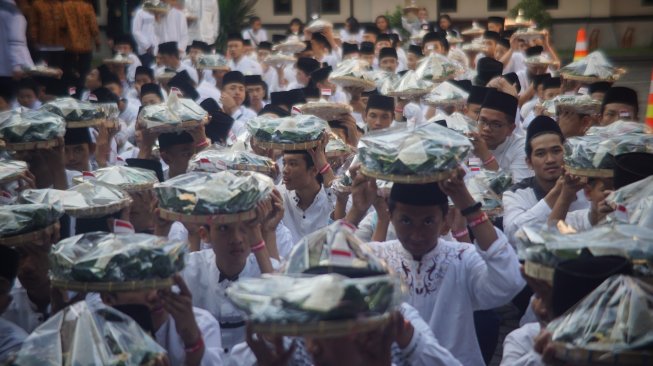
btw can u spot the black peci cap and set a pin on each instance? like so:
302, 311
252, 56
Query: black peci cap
349, 48
201, 46
168, 48
501, 102
184, 83
487, 69
232, 77
321, 74
382, 102
307, 65
77, 136
388, 52
367, 48
151, 88
415, 50
477, 94
167, 140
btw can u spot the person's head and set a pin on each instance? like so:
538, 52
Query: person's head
496, 121
355, 348
183, 83
487, 69
379, 112
123, 44
93, 80
474, 101
287, 99
255, 23
619, 103
27, 93
382, 23
551, 88
220, 123
352, 26
176, 150
595, 188
263, 50
417, 212
78, 149
149, 298
141, 210
422, 14
256, 88
6, 96
631, 167
151, 94
320, 78
388, 59
367, 52
382, 41
296, 26
113, 83
538, 84
233, 84
490, 40
34, 264
597, 90
349, 50
304, 67
168, 54
435, 42
503, 46
320, 45
444, 22
370, 33
198, 48
218, 76
577, 116
544, 149
235, 46
495, 24
229, 242
413, 55
143, 75
9, 260
299, 170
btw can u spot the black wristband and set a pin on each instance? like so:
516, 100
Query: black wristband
471, 209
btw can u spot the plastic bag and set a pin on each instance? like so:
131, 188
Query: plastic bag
626, 143
75, 110
156, 6
427, 149
487, 187
476, 45
11, 169
279, 60
438, 68
446, 94
172, 113
461, 123
584, 152
216, 159
318, 25
595, 65
581, 104
125, 177
633, 203
25, 218
410, 86
616, 316
212, 62
287, 130
353, 73
291, 46
30, 125
108, 257
617, 128
475, 30
224, 192
81, 335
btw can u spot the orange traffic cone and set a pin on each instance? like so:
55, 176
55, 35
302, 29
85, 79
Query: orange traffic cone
649, 109
581, 45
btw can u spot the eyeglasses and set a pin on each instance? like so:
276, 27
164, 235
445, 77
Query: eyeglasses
494, 126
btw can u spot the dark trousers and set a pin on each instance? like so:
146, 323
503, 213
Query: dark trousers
52, 58
77, 66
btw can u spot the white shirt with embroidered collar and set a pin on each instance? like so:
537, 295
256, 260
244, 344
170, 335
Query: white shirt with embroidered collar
316, 216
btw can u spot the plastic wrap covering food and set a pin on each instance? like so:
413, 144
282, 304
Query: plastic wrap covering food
292, 45
475, 30
42, 69
529, 33
119, 58
226, 192
288, 130
452, 39
108, 257
27, 126
25, 218
342, 184
84, 200
212, 62
279, 60
175, 114
476, 45
617, 128
125, 177
457, 122
335, 246
583, 156
318, 25
616, 317
216, 159
326, 110
73, 110
538, 60
487, 187
385, 81
11, 169
438, 68
626, 143
156, 6
410, 86
82, 334
446, 94
633, 203
336, 146
353, 73
427, 152
581, 104
417, 38
592, 68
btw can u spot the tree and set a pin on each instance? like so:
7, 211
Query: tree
395, 22
234, 16
535, 10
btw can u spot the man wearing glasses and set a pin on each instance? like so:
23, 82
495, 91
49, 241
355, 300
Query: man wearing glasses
496, 142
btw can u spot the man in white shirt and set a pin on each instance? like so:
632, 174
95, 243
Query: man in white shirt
233, 96
169, 56
303, 69
204, 20
11, 335
255, 32
496, 143
323, 49
327, 89
143, 30
239, 61
172, 27
447, 281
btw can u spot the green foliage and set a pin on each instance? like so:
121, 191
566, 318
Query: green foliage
535, 10
234, 16
395, 22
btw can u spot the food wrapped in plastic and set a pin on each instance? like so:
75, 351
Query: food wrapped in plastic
326, 110
336, 147
438, 68
216, 159
342, 184
25, 218
42, 69
111, 114
618, 128
581, 104
11, 169
539, 60
353, 73
487, 187
633, 203
528, 34
419, 37
476, 45
615, 318
593, 67
77, 113
226, 192
292, 45
296, 129
84, 200
279, 60
626, 143
411, 86
318, 25
125, 177
475, 30
156, 6
427, 153
446, 94
453, 39
18, 126
212, 62
583, 157
176, 114
119, 58
385, 80
457, 122
84, 334
108, 257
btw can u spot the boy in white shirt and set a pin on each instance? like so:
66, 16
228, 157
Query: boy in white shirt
255, 32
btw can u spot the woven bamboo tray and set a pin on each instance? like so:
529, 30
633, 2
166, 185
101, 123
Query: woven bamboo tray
207, 219
111, 286
328, 111
99, 211
539, 271
126, 187
289, 47
252, 168
183, 126
409, 94
445, 103
593, 79
47, 72
279, 146
88, 123
323, 329
210, 67
596, 173
31, 237
32, 145
409, 179
581, 356
353, 82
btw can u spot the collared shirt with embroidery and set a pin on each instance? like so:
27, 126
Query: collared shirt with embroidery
452, 281
316, 216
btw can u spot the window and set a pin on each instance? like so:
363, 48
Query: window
448, 6
330, 6
550, 4
497, 5
282, 7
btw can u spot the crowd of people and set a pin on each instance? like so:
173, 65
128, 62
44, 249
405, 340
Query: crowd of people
459, 266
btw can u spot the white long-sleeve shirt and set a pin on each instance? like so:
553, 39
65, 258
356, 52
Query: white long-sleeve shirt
205, 28
303, 222
452, 281
173, 28
518, 347
13, 44
511, 157
246, 65
143, 30
256, 37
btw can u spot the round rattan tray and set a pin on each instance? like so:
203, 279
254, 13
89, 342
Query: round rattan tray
581, 356
111, 286
409, 179
324, 329
281, 146
353, 82
539, 271
179, 127
99, 211
207, 219
31, 237
32, 145
597, 173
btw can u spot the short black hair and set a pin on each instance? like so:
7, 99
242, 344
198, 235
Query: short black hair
354, 25
254, 19
529, 147
443, 207
309, 161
